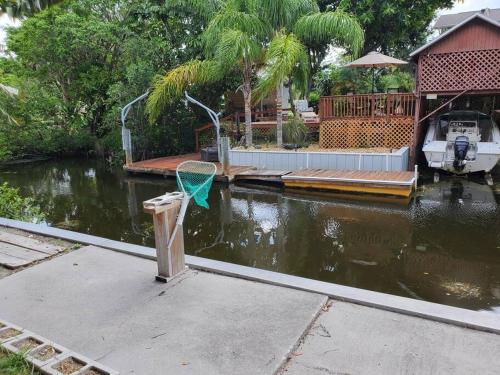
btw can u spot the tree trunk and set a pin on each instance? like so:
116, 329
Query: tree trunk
247, 97
279, 115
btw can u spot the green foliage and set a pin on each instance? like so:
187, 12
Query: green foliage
13, 206
233, 42
313, 99
394, 27
15, 364
338, 26
77, 64
401, 80
284, 56
336, 80
241, 30
172, 85
295, 131
300, 34
340, 81
20, 8
285, 13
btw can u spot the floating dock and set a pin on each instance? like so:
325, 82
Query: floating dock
373, 182
345, 181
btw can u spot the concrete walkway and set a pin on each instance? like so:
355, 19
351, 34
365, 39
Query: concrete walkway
353, 339
107, 306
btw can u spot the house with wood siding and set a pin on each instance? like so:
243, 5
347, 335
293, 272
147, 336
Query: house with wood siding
460, 69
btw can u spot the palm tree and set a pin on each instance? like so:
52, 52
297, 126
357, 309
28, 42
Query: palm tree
20, 8
238, 33
233, 42
298, 25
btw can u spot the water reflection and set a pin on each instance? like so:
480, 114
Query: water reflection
443, 246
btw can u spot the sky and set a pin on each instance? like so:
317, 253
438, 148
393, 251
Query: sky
467, 5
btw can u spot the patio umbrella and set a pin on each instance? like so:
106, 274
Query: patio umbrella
375, 60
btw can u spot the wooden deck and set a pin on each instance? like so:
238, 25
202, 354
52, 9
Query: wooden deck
373, 182
166, 166
19, 251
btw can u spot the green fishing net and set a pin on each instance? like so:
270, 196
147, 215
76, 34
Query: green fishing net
195, 179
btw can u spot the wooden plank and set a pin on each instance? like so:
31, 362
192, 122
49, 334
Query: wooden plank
13, 256
11, 262
29, 243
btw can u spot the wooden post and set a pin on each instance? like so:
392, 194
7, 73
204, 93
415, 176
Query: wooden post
226, 167
165, 210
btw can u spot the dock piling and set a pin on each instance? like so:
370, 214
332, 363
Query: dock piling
171, 262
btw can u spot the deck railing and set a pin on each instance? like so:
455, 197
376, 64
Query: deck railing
263, 126
367, 105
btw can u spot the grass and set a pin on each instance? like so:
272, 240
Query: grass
15, 364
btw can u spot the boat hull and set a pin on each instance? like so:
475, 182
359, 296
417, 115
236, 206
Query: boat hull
486, 158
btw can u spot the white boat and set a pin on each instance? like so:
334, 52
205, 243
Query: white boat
462, 142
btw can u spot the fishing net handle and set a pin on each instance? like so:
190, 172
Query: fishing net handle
180, 219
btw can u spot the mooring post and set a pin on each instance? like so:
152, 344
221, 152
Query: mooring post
165, 210
226, 167
416, 177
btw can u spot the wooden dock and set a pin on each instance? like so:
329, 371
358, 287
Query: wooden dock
167, 166
373, 182
346, 181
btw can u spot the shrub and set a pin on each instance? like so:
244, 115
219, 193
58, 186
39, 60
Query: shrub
295, 131
314, 100
13, 206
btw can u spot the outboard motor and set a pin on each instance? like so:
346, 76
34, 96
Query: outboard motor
461, 148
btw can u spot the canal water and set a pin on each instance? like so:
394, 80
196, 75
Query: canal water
442, 246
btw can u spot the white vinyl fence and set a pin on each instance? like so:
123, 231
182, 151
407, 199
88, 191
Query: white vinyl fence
296, 160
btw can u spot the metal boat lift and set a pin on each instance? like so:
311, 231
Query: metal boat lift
126, 135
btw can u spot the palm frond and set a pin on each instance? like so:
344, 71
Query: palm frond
338, 26
236, 47
285, 56
172, 85
284, 13
234, 19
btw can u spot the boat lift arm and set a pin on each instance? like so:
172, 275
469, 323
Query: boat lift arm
214, 116
126, 137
